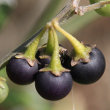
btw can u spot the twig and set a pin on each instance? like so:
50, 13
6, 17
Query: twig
65, 13
84, 9
76, 3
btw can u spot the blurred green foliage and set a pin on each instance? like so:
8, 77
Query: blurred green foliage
5, 10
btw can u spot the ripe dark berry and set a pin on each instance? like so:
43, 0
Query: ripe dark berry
20, 72
90, 72
53, 87
45, 60
65, 60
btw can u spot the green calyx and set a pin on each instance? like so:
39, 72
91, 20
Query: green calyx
81, 52
32, 48
55, 65
48, 48
47, 55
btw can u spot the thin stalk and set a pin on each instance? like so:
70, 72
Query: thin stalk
80, 50
84, 9
32, 48
55, 64
50, 43
55, 60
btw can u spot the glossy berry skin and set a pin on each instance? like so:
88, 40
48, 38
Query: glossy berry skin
86, 73
20, 72
65, 61
44, 61
53, 87
104, 11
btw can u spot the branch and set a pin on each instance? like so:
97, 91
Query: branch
65, 12
68, 11
76, 3
84, 9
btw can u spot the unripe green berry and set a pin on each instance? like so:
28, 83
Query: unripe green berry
104, 11
3, 90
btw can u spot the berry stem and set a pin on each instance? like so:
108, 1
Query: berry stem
50, 44
32, 48
55, 60
81, 51
55, 65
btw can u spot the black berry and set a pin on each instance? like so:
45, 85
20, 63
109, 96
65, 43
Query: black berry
43, 61
64, 57
53, 87
90, 72
65, 60
20, 72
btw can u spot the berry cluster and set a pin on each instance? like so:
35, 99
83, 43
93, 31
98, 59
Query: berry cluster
50, 66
